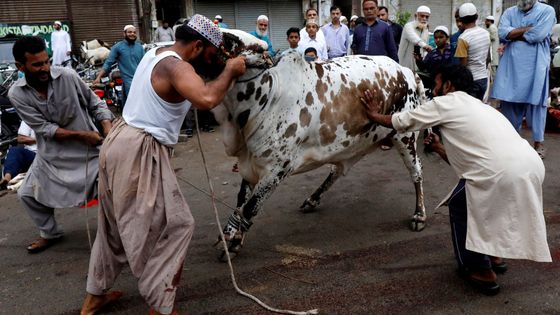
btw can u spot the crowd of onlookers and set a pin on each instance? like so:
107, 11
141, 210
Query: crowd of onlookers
509, 62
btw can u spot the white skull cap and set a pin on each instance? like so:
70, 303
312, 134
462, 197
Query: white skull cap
490, 17
262, 17
128, 26
57, 23
442, 29
467, 9
423, 9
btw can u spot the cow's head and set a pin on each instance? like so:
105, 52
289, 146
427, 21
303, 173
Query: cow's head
237, 43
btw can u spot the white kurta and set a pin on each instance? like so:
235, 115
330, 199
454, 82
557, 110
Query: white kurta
60, 45
503, 174
412, 35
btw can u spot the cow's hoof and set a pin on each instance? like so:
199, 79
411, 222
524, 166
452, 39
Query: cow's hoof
233, 244
418, 223
309, 205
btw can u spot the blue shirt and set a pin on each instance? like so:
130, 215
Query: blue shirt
337, 39
453, 41
522, 76
436, 58
266, 39
127, 57
375, 40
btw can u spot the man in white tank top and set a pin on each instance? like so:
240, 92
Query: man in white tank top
144, 220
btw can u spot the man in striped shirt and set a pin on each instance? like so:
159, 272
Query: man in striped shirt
472, 49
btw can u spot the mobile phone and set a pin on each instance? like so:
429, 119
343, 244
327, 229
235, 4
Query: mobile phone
416, 49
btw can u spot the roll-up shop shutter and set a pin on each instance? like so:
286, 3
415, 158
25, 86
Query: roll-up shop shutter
211, 8
442, 12
102, 19
283, 15
32, 11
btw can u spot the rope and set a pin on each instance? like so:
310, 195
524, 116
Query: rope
86, 199
223, 239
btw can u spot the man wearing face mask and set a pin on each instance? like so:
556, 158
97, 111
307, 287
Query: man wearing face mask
521, 82
415, 33
127, 54
496, 209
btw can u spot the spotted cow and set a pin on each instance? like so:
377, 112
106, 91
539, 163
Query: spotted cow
296, 116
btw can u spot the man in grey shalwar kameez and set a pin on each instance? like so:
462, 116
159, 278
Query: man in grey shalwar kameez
60, 108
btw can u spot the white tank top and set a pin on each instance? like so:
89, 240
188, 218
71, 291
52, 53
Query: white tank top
146, 110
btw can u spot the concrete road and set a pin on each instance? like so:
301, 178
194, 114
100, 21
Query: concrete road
354, 255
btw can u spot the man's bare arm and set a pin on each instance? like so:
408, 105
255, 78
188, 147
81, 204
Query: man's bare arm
205, 95
25, 140
373, 111
87, 137
106, 125
517, 34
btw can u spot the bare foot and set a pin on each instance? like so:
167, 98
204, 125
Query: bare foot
94, 303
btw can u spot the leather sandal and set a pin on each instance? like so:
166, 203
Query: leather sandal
41, 244
489, 288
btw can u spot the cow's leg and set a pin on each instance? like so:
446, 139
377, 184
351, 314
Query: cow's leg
313, 201
406, 145
239, 221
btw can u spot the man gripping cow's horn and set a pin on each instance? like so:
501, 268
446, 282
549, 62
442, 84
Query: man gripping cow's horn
143, 218
500, 174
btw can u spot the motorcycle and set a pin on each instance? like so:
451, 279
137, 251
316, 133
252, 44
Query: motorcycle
9, 119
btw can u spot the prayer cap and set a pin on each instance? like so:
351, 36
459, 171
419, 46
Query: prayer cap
423, 9
262, 17
353, 17
311, 21
57, 23
219, 17
206, 28
442, 29
467, 9
490, 17
128, 26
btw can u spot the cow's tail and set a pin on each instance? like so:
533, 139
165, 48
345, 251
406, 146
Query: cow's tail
420, 90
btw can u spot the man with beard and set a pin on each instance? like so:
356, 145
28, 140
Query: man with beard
496, 209
164, 33
61, 45
127, 54
144, 221
522, 77
60, 108
415, 33
261, 32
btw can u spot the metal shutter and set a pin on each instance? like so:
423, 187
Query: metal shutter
442, 12
283, 15
32, 11
102, 19
211, 8
247, 12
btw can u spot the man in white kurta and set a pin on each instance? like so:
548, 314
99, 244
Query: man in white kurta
415, 33
61, 45
502, 173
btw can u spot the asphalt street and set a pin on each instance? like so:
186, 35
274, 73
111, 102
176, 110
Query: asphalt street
354, 255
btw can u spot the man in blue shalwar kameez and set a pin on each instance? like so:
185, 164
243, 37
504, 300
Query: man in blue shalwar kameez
522, 78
